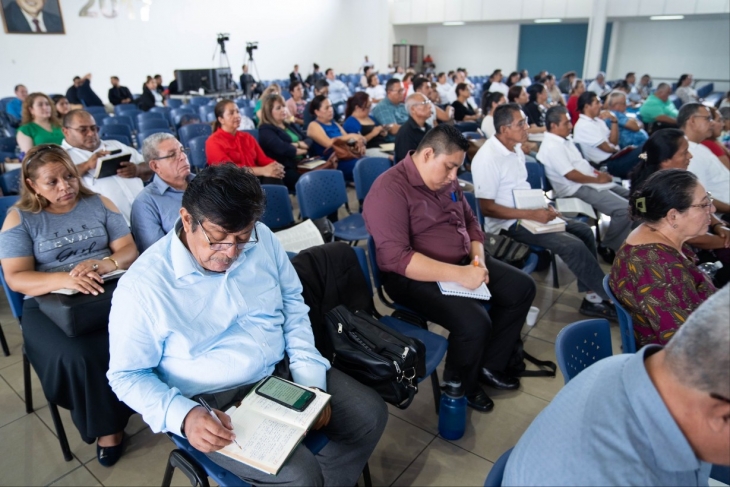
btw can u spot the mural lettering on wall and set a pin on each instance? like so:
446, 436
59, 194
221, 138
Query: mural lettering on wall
32, 17
116, 8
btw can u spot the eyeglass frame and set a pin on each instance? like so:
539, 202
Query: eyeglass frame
84, 129
704, 205
176, 155
227, 245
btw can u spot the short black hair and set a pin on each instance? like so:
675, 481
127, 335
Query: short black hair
229, 196
586, 99
630, 73
444, 139
321, 84
419, 81
115, 77
315, 65
553, 116
505, 115
662, 191
316, 103
390, 83
686, 112
77, 77
327, 71
293, 85
17, 87
157, 76
535, 89
71, 116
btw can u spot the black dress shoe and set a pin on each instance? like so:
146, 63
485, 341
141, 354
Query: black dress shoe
608, 255
598, 310
480, 401
498, 380
109, 455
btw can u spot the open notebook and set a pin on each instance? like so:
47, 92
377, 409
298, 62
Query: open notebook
456, 289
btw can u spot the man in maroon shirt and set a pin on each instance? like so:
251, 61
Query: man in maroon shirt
424, 232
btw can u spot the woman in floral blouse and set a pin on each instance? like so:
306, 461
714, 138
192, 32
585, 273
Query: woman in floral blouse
654, 275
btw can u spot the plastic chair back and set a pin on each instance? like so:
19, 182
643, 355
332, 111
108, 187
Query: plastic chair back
372, 257
174, 103
122, 109
5, 203
119, 120
143, 135
144, 116
197, 155
472, 135
466, 126
365, 173
204, 110
363, 261
472, 200
177, 114
581, 344
278, 213
15, 299
153, 123
119, 138
106, 131
198, 101
10, 182
628, 339
187, 132
8, 144
253, 133
97, 111
705, 90
535, 175
320, 193
496, 474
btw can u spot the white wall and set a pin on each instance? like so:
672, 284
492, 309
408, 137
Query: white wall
670, 48
479, 48
182, 33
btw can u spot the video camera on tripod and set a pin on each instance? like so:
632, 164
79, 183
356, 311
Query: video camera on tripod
250, 46
222, 38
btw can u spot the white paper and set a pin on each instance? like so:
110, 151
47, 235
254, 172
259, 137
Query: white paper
575, 206
601, 186
529, 199
387, 147
555, 225
106, 277
456, 289
300, 237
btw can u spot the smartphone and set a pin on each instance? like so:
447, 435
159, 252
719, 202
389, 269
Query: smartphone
285, 393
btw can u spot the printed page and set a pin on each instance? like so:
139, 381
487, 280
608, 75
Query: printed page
529, 199
254, 403
265, 442
300, 237
575, 205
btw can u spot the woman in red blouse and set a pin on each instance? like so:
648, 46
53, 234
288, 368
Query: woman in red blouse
578, 89
228, 144
654, 275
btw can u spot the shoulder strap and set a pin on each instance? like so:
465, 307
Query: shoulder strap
543, 364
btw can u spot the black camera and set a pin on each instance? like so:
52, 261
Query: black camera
223, 38
250, 46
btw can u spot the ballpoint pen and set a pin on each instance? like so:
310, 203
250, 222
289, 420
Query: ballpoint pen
210, 411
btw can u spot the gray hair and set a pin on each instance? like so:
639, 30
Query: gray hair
413, 100
614, 97
601, 74
149, 147
662, 86
687, 111
554, 116
697, 355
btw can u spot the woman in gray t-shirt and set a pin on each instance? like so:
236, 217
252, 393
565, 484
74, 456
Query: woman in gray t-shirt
62, 235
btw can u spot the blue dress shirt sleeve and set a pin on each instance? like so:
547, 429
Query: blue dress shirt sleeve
146, 222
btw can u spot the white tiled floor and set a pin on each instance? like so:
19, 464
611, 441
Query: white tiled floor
409, 453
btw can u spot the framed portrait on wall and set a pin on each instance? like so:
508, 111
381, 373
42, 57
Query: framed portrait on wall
32, 17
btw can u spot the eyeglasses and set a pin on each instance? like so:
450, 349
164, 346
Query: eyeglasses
85, 129
704, 205
174, 155
521, 124
227, 245
706, 117
427, 102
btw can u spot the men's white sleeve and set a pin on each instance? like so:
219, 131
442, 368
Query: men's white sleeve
588, 133
486, 176
555, 157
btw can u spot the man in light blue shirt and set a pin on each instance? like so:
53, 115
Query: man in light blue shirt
391, 112
15, 106
338, 92
657, 417
157, 207
214, 307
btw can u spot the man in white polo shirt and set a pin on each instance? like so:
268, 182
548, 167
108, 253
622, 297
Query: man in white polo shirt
499, 169
82, 142
599, 143
572, 176
696, 122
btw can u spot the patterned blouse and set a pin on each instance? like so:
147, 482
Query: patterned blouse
659, 287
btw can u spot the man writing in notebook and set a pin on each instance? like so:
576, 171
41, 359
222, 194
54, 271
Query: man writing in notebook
499, 169
214, 307
425, 232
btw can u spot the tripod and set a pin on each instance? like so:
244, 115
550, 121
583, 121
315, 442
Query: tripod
223, 62
252, 68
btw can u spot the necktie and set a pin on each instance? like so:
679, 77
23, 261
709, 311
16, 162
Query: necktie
37, 25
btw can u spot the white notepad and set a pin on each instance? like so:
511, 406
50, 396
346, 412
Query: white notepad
456, 289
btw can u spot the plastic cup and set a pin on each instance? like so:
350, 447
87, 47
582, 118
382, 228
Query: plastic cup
532, 316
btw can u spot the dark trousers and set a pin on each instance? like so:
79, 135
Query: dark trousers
622, 166
358, 419
477, 337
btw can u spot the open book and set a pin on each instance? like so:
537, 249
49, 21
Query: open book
456, 289
268, 432
574, 206
312, 164
530, 199
108, 276
108, 166
300, 237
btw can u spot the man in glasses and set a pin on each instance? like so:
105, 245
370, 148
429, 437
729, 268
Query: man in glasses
696, 122
213, 308
391, 112
499, 169
157, 207
82, 142
412, 132
660, 416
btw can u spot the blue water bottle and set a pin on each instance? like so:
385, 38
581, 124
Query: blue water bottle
452, 411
